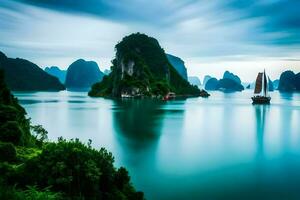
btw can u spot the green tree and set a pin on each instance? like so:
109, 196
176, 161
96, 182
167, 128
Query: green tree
40, 134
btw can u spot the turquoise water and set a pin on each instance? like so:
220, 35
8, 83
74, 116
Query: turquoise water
222, 147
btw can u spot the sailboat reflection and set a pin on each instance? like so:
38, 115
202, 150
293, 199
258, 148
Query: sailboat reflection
260, 112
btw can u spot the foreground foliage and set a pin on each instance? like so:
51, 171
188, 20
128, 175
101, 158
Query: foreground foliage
30, 193
33, 168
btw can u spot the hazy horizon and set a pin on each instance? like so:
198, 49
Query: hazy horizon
210, 37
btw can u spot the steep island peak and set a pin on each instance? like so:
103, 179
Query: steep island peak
141, 68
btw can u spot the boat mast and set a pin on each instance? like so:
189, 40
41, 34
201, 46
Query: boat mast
265, 84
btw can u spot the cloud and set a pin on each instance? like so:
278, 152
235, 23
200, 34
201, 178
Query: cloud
135, 11
279, 16
52, 32
43, 35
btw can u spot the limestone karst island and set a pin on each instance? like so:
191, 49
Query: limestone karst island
149, 100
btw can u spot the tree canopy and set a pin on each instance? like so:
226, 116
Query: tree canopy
33, 168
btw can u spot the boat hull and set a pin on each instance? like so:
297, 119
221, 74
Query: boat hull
261, 100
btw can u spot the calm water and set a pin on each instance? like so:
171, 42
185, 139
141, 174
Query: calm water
217, 148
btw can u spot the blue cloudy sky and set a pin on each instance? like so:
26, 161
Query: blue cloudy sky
210, 36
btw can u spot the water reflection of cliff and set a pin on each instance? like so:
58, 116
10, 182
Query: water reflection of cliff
138, 120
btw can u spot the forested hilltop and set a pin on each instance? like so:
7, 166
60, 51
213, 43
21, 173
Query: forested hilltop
141, 68
33, 168
83, 74
23, 75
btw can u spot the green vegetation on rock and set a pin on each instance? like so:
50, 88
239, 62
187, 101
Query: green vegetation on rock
141, 68
23, 75
57, 72
83, 74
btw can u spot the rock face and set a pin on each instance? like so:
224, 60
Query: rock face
141, 68
2, 56
271, 86
229, 83
194, 80
250, 85
297, 82
178, 64
212, 84
58, 73
276, 84
289, 82
229, 75
23, 75
206, 78
83, 74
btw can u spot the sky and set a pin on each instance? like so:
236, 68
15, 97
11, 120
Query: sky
241, 36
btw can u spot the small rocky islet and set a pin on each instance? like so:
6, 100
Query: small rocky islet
229, 83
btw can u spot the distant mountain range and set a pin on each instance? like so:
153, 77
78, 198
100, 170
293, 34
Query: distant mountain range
211, 84
178, 64
289, 82
229, 82
194, 80
206, 78
83, 74
180, 67
273, 85
276, 84
229, 75
23, 75
57, 72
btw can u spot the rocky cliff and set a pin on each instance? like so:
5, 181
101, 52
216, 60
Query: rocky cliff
141, 68
57, 72
289, 82
23, 75
212, 84
83, 74
206, 78
178, 64
194, 80
229, 75
229, 83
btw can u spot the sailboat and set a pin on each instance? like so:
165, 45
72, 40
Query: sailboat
261, 89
